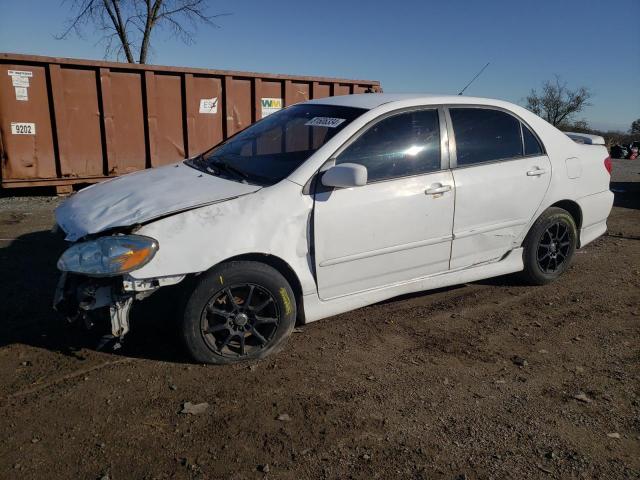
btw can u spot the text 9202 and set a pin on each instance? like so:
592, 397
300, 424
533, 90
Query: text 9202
18, 128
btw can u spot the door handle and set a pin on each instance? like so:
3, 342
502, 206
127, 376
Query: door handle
536, 172
437, 188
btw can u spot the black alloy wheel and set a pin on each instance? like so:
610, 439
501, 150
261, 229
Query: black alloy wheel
549, 246
238, 311
554, 247
240, 320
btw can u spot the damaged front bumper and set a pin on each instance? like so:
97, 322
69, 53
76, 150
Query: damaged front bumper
83, 299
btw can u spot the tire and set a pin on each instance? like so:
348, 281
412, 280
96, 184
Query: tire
543, 264
238, 311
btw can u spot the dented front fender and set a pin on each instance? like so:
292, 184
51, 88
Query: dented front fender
266, 222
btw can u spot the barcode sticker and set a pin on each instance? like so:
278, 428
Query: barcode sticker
324, 122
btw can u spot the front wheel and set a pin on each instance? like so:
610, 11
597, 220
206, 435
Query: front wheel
549, 246
238, 311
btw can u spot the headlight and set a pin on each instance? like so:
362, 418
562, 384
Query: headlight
108, 256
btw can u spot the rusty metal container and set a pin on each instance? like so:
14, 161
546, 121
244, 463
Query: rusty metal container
66, 121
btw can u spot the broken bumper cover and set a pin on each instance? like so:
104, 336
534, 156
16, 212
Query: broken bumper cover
79, 298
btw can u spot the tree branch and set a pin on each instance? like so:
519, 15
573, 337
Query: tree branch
116, 18
556, 103
132, 22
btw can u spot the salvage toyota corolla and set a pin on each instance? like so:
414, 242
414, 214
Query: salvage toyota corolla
330, 205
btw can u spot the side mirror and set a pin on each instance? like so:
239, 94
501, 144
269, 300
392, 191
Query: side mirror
345, 175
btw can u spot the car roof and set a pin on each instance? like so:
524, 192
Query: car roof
372, 100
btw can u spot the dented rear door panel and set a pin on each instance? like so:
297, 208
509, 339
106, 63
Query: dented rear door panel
495, 203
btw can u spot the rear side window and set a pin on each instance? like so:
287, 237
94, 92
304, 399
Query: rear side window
398, 146
484, 135
531, 144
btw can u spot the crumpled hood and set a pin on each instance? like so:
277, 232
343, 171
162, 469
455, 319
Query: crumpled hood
142, 196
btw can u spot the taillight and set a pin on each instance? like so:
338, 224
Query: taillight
608, 164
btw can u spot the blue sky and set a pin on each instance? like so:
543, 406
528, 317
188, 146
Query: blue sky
410, 46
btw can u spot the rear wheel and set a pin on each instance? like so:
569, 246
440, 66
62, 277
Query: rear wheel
238, 311
549, 246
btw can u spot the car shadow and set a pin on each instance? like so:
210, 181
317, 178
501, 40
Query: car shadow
27, 285
626, 194
511, 280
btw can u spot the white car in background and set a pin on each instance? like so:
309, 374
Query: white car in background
330, 205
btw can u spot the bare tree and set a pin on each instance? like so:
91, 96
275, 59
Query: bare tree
125, 26
635, 127
581, 126
557, 104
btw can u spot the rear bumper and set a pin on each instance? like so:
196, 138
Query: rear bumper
595, 210
589, 234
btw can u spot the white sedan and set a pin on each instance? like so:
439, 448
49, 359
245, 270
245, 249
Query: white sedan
330, 205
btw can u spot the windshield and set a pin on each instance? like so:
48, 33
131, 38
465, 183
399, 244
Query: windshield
269, 150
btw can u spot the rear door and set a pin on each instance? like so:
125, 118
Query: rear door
398, 226
501, 175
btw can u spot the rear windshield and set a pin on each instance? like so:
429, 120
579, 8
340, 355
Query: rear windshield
272, 148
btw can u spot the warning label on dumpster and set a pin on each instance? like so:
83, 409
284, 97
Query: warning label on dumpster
270, 105
20, 128
19, 73
22, 93
209, 105
20, 78
20, 81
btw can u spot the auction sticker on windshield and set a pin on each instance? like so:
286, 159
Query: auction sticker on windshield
324, 122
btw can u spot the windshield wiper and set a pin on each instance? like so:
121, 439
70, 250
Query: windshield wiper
215, 168
219, 165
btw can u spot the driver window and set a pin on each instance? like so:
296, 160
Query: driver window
402, 145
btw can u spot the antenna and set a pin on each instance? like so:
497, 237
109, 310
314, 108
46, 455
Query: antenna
473, 79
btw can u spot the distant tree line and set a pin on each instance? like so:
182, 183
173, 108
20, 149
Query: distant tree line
559, 105
611, 137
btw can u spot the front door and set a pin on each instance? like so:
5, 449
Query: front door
501, 175
396, 228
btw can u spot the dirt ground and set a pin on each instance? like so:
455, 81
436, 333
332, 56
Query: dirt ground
486, 380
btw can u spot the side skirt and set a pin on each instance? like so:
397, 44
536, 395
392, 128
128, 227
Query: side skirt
316, 309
